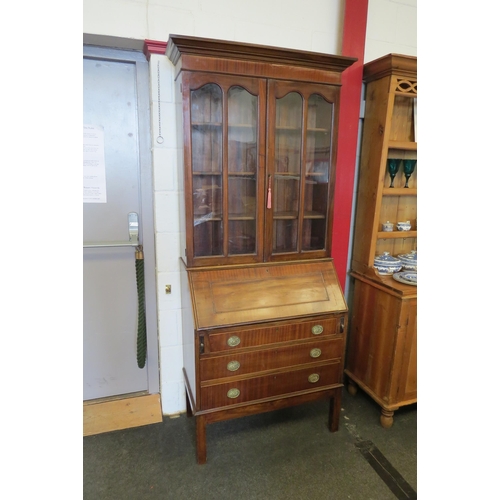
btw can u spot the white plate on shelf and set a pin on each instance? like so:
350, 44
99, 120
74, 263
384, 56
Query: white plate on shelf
406, 277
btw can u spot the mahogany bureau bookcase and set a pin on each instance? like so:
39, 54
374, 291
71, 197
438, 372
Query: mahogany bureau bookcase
264, 318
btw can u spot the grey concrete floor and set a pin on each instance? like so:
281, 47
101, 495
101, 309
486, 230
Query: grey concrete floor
283, 455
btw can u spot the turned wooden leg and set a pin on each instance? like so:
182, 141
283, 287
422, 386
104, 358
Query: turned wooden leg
334, 413
189, 410
201, 439
386, 418
352, 388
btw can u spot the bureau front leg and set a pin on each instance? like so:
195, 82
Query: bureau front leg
189, 411
334, 413
201, 439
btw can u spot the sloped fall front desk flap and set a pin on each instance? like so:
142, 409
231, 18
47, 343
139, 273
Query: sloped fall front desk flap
226, 297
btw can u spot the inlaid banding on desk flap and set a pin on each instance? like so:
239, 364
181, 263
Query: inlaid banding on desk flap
279, 291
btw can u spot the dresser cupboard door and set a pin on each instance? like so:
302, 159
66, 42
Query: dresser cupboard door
224, 124
408, 376
301, 143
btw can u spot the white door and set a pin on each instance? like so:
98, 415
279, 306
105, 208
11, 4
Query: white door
116, 118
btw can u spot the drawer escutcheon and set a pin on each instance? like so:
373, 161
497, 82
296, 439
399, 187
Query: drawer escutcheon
233, 341
233, 393
315, 353
314, 377
317, 329
232, 366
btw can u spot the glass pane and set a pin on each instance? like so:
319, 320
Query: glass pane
241, 237
284, 235
206, 161
287, 168
242, 170
208, 238
207, 214
242, 215
318, 159
206, 129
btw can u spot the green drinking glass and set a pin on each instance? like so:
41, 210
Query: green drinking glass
408, 169
392, 168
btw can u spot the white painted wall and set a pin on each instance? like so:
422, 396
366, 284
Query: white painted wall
284, 23
315, 25
391, 28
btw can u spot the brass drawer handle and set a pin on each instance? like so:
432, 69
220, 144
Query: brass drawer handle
315, 353
232, 366
233, 341
317, 329
314, 377
233, 393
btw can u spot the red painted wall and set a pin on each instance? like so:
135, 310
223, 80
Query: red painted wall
353, 45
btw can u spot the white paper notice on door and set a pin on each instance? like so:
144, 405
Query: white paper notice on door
94, 169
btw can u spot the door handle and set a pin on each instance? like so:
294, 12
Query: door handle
133, 228
133, 235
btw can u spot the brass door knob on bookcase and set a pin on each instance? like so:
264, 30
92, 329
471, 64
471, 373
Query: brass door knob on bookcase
233, 393
315, 353
233, 341
313, 378
232, 366
317, 329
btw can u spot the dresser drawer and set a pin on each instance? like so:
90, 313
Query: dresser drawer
252, 337
267, 386
242, 363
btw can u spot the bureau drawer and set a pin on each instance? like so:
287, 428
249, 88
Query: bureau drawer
241, 363
252, 337
267, 386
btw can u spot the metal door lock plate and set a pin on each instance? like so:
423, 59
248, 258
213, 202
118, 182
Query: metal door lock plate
133, 227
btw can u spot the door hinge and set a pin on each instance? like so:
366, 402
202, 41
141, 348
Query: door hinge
202, 344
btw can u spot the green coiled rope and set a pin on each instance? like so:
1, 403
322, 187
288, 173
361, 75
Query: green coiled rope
141, 321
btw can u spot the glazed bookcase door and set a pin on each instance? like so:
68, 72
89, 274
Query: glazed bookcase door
224, 150
300, 173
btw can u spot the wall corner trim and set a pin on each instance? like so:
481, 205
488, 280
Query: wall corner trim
154, 47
